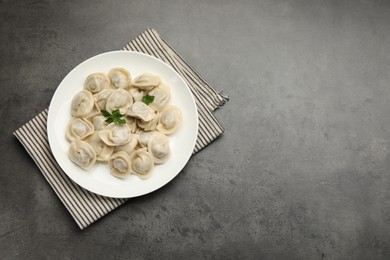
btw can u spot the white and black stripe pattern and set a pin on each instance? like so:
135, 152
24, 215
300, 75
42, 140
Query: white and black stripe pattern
87, 207
84, 206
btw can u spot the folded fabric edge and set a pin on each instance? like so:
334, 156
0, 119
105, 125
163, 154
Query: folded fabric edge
225, 99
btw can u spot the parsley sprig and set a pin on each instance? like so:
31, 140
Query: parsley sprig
113, 117
147, 99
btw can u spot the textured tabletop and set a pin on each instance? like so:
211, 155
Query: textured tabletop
302, 170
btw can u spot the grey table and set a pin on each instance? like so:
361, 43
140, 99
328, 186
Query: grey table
302, 171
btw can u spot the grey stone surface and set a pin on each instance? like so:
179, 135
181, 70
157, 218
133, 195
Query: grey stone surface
302, 171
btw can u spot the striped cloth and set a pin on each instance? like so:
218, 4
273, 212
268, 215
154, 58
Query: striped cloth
87, 207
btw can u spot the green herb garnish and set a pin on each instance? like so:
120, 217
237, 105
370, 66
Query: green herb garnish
114, 117
147, 99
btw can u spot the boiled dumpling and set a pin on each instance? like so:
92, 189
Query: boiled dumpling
98, 122
144, 136
146, 81
158, 147
170, 119
120, 78
115, 134
94, 112
82, 154
82, 104
141, 163
131, 123
120, 165
119, 99
103, 151
137, 94
130, 146
149, 126
136, 142
161, 95
142, 111
79, 128
101, 98
96, 82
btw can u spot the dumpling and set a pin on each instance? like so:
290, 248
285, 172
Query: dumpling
119, 99
158, 147
144, 136
98, 122
149, 126
101, 98
146, 81
131, 123
161, 95
82, 154
137, 137
120, 78
103, 151
137, 93
130, 146
120, 165
94, 112
142, 111
141, 163
170, 119
115, 135
96, 82
82, 104
79, 128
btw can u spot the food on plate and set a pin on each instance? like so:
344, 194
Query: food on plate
142, 111
169, 120
128, 147
119, 99
99, 122
146, 81
137, 94
120, 78
142, 163
123, 122
148, 125
115, 134
82, 103
161, 95
158, 146
101, 98
79, 128
82, 154
120, 165
102, 150
96, 82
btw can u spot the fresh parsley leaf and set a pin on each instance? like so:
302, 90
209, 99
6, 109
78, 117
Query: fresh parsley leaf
147, 99
121, 121
105, 113
109, 120
116, 113
114, 117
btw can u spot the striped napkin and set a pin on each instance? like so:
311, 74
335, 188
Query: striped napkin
87, 207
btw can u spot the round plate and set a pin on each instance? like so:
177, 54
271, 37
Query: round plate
98, 179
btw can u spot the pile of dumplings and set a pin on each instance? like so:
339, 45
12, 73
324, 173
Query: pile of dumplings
130, 148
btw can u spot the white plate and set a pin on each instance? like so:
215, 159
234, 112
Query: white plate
98, 179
